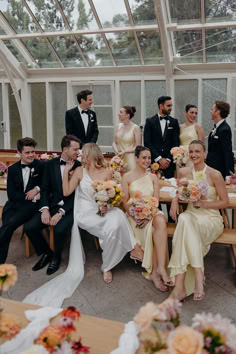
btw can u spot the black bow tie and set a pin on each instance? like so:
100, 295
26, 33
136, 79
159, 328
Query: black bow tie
83, 111
30, 165
163, 117
62, 162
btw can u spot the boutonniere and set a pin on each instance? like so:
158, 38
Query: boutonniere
32, 172
167, 122
213, 132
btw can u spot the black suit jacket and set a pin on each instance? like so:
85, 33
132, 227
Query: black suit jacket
15, 184
51, 191
75, 126
158, 144
220, 155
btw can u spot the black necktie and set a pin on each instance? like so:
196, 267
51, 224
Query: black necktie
30, 165
62, 162
83, 111
214, 125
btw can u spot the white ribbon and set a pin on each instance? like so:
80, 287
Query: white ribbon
128, 342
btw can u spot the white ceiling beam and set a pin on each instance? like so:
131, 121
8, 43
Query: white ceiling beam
200, 26
81, 32
12, 62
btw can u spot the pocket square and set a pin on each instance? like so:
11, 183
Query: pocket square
91, 120
216, 137
170, 127
35, 175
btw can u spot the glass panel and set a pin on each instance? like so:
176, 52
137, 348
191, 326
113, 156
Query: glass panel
102, 95
59, 107
94, 50
48, 15
189, 46
130, 95
14, 117
1, 119
222, 43
153, 90
212, 90
185, 11
78, 88
218, 10
13, 49
42, 54
39, 124
67, 51
79, 14
112, 13
186, 92
105, 137
104, 116
150, 44
143, 12
18, 16
124, 48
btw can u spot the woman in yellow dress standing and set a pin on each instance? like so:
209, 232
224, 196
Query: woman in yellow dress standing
198, 226
126, 137
152, 237
190, 130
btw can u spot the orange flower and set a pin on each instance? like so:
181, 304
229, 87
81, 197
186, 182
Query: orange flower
8, 276
184, 340
71, 312
9, 326
107, 185
145, 316
137, 194
155, 166
51, 336
154, 202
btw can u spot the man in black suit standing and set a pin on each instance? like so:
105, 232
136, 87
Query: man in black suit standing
56, 210
81, 121
220, 155
161, 134
23, 191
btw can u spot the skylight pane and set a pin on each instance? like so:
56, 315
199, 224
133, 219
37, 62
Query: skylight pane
79, 14
220, 44
150, 45
185, 11
218, 10
112, 13
189, 46
143, 12
13, 49
67, 51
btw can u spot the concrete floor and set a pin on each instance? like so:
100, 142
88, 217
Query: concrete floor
121, 299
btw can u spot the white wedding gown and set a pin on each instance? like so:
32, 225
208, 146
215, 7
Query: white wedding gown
115, 237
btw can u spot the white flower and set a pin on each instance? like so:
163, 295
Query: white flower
65, 348
213, 132
102, 195
35, 349
32, 171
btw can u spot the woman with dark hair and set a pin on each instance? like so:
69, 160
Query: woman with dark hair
152, 236
190, 130
127, 136
198, 226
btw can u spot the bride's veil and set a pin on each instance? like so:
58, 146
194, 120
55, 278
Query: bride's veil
56, 290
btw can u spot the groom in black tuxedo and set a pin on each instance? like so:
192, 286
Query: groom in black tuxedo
81, 121
161, 134
23, 191
220, 155
56, 210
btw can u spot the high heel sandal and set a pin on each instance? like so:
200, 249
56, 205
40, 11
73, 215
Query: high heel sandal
135, 259
199, 295
157, 281
107, 277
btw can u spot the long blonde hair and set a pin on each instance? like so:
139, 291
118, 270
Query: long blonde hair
94, 151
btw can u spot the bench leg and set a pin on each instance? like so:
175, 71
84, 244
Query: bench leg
29, 249
51, 238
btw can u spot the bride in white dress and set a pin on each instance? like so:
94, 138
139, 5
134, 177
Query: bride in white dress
113, 230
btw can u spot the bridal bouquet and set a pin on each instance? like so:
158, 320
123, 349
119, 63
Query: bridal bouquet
180, 156
106, 193
208, 334
142, 207
189, 190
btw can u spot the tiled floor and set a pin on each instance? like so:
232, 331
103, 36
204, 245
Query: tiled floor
121, 299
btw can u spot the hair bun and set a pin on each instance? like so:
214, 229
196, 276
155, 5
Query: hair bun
134, 109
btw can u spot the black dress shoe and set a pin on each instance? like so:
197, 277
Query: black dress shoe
44, 260
54, 265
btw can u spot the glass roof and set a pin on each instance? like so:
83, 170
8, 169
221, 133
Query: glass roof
102, 33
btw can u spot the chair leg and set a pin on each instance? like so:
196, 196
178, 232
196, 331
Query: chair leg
29, 250
96, 242
51, 237
225, 216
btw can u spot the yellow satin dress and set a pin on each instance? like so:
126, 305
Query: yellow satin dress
195, 231
187, 135
127, 142
143, 236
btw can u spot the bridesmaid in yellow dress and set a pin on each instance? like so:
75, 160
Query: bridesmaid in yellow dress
190, 130
127, 136
152, 237
197, 227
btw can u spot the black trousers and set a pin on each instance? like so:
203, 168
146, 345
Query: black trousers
12, 218
33, 229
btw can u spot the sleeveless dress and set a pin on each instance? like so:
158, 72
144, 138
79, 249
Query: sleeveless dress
115, 237
187, 135
143, 236
195, 231
126, 141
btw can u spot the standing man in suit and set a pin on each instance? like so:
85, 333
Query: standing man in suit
81, 121
56, 210
161, 134
23, 191
220, 155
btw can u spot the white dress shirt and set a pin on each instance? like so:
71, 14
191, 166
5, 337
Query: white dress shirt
85, 119
26, 174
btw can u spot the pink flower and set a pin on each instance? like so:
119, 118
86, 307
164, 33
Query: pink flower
145, 316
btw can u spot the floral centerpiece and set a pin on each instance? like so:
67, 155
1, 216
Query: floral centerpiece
47, 156
180, 156
208, 333
106, 194
142, 207
117, 165
3, 169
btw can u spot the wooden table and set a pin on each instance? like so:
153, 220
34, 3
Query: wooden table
100, 335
